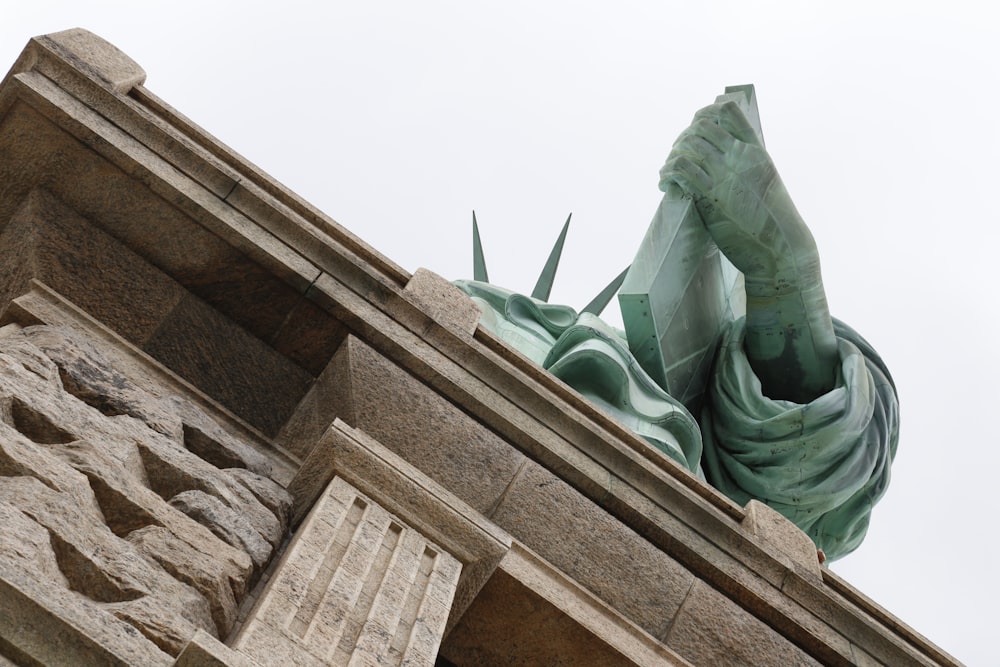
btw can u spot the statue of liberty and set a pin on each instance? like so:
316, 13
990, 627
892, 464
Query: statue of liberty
725, 319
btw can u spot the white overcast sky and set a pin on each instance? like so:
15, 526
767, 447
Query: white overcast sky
399, 118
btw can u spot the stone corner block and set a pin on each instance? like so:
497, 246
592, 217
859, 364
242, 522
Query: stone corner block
444, 302
204, 650
772, 527
357, 585
96, 57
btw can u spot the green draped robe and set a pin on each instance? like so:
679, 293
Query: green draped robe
822, 464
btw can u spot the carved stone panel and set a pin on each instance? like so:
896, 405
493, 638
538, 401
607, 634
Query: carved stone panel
356, 586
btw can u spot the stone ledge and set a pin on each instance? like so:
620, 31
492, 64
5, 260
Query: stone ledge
82, 50
444, 302
204, 650
773, 528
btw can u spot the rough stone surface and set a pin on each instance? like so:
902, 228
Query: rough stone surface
102, 60
270, 494
444, 302
205, 650
775, 529
174, 471
91, 471
210, 577
224, 523
711, 629
43, 623
589, 545
85, 374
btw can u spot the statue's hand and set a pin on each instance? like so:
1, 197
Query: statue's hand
720, 163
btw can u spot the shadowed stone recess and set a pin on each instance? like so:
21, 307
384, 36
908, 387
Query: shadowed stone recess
57, 246
508, 624
309, 336
239, 370
84, 484
329, 398
419, 425
597, 550
199, 334
712, 630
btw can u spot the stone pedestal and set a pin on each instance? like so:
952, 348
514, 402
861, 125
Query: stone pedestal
231, 433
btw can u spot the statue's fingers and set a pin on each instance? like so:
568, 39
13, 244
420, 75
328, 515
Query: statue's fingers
712, 133
704, 152
692, 142
732, 119
709, 113
685, 172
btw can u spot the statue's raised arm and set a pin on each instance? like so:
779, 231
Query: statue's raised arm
794, 408
720, 163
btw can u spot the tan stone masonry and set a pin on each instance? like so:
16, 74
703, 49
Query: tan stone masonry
355, 582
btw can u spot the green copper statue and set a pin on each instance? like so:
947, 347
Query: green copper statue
725, 317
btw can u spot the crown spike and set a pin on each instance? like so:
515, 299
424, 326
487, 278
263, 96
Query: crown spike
478, 260
601, 301
544, 285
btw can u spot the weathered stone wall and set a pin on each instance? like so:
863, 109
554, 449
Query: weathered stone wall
135, 513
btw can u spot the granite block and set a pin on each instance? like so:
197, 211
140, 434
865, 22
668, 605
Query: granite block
431, 433
711, 629
601, 553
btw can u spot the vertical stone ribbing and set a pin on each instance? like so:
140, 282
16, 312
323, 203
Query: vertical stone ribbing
360, 612
411, 606
358, 586
301, 621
